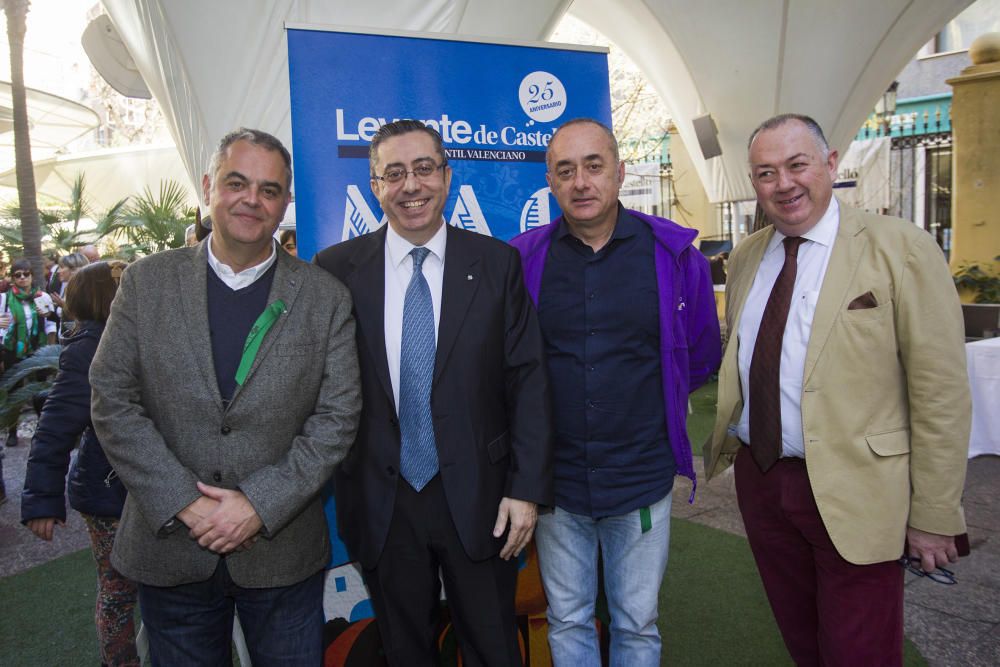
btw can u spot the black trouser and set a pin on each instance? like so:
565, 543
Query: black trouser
405, 587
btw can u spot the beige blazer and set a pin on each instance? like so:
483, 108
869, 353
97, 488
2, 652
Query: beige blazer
885, 399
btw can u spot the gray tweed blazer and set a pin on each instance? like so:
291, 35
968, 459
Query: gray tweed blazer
159, 415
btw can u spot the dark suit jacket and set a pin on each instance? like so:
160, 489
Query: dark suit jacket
164, 426
490, 396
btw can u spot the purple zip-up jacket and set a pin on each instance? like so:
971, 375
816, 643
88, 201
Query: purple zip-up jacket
690, 347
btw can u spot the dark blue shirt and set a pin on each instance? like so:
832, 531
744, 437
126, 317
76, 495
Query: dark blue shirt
599, 314
231, 314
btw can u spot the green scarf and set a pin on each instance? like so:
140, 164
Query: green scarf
18, 339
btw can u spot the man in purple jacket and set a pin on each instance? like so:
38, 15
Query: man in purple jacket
628, 316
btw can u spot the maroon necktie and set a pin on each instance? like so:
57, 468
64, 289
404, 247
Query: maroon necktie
765, 366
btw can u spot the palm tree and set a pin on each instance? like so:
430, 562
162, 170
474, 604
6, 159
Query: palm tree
151, 222
31, 230
61, 226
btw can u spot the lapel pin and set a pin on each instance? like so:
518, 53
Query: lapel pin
468, 277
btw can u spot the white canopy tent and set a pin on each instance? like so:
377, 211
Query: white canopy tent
111, 174
743, 62
53, 121
216, 65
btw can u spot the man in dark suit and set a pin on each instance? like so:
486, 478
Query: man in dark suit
225, 390
453, 453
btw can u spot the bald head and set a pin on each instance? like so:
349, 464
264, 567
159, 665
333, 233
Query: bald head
90, 252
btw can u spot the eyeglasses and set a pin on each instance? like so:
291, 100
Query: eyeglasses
941, 575
395, 175
21, 274
289, 246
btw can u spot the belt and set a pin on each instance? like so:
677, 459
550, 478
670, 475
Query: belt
781, 459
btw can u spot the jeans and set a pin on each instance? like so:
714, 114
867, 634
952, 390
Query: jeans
634, 563
192, 624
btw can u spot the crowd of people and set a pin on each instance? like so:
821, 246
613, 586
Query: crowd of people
468, 395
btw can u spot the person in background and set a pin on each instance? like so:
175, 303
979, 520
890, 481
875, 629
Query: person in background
202, 226
94, 488
25, 327
52, 283
191, 235
287, 241
68, 265
90, 252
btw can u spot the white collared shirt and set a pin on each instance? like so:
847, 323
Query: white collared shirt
244, 278
398, 270
812, 260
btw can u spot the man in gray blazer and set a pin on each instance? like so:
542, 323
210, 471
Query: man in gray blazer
225, 390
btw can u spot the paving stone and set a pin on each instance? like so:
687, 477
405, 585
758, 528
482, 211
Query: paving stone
966, 600
943, 639
981, 516
19, 548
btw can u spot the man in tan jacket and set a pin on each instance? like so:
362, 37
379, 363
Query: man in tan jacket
843, 402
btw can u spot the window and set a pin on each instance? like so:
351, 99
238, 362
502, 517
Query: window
981, 17
938, 196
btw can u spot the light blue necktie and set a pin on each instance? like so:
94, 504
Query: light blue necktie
418, 460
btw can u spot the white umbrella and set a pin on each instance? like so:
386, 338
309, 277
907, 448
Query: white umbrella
53, 122
111, 174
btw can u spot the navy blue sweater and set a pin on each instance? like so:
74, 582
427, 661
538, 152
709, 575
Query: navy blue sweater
231, 314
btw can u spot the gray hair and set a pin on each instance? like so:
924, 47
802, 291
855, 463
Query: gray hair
588, 121
257, 138
74, 260
782, 119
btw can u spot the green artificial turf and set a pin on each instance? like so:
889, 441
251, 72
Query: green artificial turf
713, 610
712, 606
49, 614
702, 417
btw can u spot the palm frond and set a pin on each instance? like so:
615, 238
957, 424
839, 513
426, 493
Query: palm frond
44, 358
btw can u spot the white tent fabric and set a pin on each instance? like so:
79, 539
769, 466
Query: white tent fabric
54, 122
743, 62
111, 174
215, 65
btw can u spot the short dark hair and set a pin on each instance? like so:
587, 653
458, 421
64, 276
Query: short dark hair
20, 264
587, 121
401, 127
92, 289
284, 236
257, 138
781, 119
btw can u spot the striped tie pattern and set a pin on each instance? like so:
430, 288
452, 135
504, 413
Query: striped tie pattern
765, 366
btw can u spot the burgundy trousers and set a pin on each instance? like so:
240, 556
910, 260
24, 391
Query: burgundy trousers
830, 612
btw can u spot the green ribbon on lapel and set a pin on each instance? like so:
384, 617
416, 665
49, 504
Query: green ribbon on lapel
256, 337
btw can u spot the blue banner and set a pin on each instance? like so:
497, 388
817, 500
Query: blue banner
495, 105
